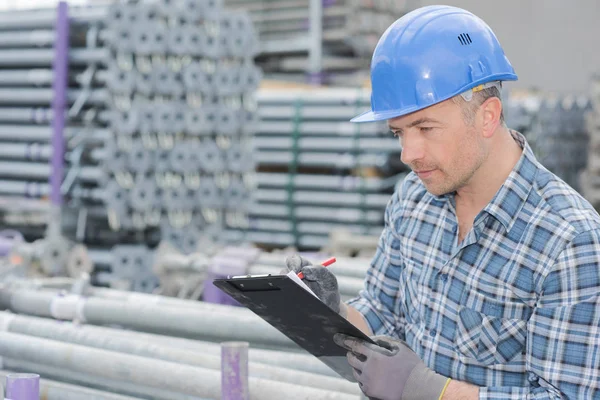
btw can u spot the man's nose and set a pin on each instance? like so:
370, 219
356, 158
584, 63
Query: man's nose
413, 147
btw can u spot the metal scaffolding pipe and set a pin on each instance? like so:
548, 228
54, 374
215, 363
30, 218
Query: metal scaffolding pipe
24, 170
30, 170
143, 371
93, 381
46, 18
325, 160
318, 128
334, 96
50, 329
53, 390
44, 57
149, 318
25, 151
32, 38
361, 144
347, 266
24, 189
20, 114
339, 214
327, 182
362, 200
32, 133
299, 361
19, 95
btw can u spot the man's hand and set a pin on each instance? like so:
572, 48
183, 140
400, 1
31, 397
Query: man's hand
390, 370
320, 280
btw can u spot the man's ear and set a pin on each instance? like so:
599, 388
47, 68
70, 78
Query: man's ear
492, 110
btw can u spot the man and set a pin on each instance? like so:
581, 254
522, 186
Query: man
486, 279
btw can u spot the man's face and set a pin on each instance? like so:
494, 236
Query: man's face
440, 146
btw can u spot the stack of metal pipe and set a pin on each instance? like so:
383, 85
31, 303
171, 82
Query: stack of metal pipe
159, 110
182, 118
41, 86
190, 276
590, 177
318, 172
343, 32
555, 128
56, 334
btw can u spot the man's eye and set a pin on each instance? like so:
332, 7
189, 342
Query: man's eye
426, 128
397, 134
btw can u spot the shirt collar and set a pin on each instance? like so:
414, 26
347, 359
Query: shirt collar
512, 195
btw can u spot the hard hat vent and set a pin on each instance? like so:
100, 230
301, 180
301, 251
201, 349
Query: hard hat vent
464, 39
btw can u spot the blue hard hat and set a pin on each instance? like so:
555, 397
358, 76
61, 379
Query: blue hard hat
429, 55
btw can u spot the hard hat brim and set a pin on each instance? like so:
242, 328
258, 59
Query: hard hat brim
373, 116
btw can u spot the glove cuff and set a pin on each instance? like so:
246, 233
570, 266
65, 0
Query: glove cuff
424, 384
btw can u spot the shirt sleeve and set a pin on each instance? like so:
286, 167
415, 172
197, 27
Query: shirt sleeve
377, 302
563, 342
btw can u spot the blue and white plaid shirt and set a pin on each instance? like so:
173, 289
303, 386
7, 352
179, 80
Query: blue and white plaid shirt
515, 307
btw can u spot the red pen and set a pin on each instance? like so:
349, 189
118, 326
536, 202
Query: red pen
325, 263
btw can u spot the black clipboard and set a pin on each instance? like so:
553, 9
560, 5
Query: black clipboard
296, 313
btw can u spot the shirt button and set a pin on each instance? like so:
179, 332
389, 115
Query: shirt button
444, 277
432, 333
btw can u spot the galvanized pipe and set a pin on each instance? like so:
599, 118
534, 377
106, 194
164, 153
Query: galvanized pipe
34, 38
348, 199
307, 213
49, 329
41, 171
44, 96
327, 182
294, 360
361, 144
46, 18
149, 318
318, 128
160, 374
45, 77
53, 390
38, 115
29, 133
25, 151
24, 189
94, 381
44, 57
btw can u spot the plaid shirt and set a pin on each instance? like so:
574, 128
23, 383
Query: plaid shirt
515, 307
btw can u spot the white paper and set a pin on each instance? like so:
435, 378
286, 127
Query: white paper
292, 275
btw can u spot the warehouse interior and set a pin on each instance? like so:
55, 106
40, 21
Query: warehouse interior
149, 147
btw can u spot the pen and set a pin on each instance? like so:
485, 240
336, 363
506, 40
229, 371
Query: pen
325, 263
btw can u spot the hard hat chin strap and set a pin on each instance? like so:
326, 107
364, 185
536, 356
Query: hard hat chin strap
468, 95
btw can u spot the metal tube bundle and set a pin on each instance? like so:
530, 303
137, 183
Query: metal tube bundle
182, 380
39, 59
160, 112
189, 276
555, 127
318, 38
589, 179
317, 171
88, 336
54, 390
127, 347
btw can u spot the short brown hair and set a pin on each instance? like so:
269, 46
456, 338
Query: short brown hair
469, 108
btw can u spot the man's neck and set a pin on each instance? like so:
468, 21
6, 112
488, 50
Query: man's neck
491, 175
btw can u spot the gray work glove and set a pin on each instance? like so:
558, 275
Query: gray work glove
320, 280
390, 370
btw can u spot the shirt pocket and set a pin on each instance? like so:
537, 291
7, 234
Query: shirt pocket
491, 331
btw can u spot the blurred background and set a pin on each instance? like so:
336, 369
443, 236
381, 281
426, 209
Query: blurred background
148, 147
